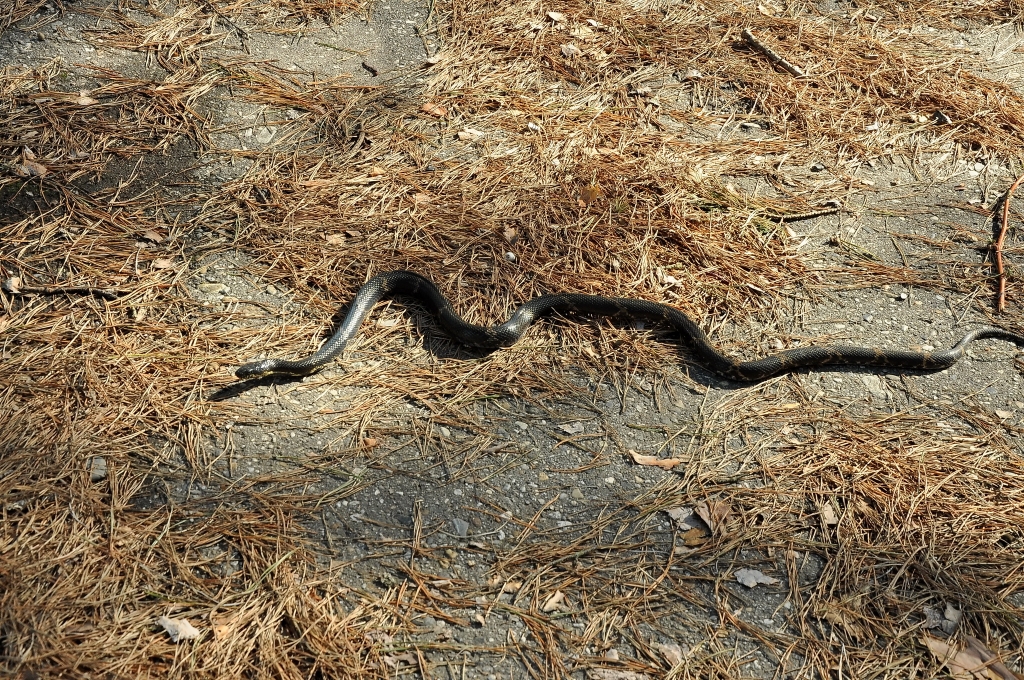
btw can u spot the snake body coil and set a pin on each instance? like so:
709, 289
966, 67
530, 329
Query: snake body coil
506, 334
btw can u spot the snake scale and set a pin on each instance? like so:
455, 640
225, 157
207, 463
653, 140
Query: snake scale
508, 333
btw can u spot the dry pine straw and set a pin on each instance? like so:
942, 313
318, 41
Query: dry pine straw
609, 196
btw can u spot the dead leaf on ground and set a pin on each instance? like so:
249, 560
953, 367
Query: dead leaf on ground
753, 577
335, 239
470, 135
179, 629
570, 50
29, 168
432, 109
556, 601
840, 618
408, 658
654, 461
614, 674
963, 664
681, 516
714, 513
152, 235
83, 99
694, 537
591, 193
163, 263
828, 514
556, 16
672, 652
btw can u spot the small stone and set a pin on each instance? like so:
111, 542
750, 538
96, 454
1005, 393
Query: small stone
511, 257
817, 167
97, 467
941, 118
609, 480
868, 318
543, 476
576, 493
903, 296
461, 527
271, 290
291, 114
212, 288
522, 426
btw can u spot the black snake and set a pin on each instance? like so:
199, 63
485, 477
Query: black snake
506, 334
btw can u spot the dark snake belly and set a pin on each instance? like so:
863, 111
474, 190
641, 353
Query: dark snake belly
506, 334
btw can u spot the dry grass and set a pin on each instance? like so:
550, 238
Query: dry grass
623, 186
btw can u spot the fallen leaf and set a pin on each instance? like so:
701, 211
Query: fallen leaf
680, 517
570, 50
556, 601
988, 656
407, 658
163, 263
963, 664
663, 463
572, 428
335, 239
713, 513
672, 652
614, 674
753, 577
510, 234
511, 586
152, 235
376, 171
179, 629
369, 442
84, 99
29, 168
828, 514
12, 285
838, 617
591, 193
694, 536
1004, 414
470, 135
556, 16
432, 109
27, 153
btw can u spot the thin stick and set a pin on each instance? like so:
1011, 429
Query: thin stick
772, 55
1000, 273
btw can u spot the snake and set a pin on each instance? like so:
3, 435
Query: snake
411, 284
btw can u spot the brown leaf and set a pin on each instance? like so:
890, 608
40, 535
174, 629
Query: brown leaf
163, 263
988, 656
556, 601
84, 99
152, 235
591, 193
510, 234
964, 664
828, 514
694, 537
714, 513
335, 239
432, 109
838, 617
370, 442
29, 168
663, 463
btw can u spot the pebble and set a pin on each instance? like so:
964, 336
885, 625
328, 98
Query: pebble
868, 318
213, 288
461, 527
511, 257
903, 296
609, 480
817, 167
522, 426
576, 493
97, 467
445, 432
543, 477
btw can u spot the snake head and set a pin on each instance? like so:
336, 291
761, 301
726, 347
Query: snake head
255, 369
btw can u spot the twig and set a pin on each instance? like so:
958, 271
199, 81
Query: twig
13, 286
1000, 273
772, 55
